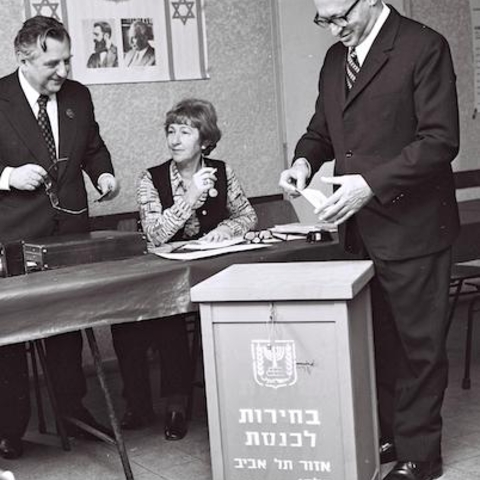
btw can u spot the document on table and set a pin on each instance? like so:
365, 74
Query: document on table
197, 249
202, 245
298, 229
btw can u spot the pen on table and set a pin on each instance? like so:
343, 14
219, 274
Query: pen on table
178, 248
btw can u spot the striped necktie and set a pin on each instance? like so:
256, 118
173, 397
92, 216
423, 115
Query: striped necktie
45, 126
352, 68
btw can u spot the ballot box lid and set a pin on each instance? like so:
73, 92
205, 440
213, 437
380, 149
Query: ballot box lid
335, 280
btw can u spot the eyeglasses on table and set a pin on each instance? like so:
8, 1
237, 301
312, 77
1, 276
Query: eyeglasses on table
263, 236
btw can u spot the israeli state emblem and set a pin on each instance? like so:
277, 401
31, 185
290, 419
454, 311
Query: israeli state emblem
274, 363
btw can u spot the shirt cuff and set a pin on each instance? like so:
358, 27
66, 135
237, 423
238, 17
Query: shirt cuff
106, 174
5, 178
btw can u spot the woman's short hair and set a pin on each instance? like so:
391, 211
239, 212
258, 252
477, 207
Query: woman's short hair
199, 114
34, 33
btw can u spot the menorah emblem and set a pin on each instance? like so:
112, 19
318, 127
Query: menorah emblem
274, 363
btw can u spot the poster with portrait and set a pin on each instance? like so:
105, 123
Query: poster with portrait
123, 41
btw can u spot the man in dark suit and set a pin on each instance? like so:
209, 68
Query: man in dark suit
42, 193
387, 113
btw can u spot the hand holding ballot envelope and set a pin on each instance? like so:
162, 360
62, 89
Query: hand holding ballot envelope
352, 193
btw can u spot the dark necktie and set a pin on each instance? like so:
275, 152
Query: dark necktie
352, 68
45, 127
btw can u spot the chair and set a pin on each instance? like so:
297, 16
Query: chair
465, 275
473, 307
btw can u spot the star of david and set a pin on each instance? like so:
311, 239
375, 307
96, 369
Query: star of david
53, 6
189, 13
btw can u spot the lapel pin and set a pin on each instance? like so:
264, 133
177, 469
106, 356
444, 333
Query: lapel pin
70, 113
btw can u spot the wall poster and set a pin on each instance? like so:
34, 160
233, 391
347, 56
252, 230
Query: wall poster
123, 41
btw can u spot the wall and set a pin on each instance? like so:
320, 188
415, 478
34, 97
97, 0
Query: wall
242, 87
452, 19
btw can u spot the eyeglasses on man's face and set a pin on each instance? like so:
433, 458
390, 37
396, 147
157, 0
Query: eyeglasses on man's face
340, 21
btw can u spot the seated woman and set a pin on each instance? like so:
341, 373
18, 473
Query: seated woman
188, 197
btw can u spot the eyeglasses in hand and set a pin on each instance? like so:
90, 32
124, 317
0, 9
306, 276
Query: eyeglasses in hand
50, 183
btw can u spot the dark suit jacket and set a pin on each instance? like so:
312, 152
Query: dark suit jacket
27, 215
399, 129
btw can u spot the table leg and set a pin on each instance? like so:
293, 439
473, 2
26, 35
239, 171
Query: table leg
108, 400
42, 428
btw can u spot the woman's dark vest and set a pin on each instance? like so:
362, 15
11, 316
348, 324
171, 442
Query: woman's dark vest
211, 213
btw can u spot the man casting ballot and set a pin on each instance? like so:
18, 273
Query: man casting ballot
387, 113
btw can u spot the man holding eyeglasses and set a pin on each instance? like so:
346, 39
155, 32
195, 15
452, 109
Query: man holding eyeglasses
387, 113
48, 138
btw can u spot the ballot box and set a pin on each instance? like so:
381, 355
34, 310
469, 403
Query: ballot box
289, 371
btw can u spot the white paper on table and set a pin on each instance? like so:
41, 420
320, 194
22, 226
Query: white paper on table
293, 229
195, 255
301, 229
204, 245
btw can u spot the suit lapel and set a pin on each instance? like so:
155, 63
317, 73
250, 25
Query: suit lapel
22, 119
377, 57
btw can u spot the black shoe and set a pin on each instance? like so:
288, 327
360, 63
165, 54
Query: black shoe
11, 447
416, 471
175, 425
86, 417
388, 453
136, 421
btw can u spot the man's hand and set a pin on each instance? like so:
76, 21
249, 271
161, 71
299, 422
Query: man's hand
353, 194
295, 178
27, 177
108, 186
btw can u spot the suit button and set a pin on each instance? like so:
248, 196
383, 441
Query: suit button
349, 154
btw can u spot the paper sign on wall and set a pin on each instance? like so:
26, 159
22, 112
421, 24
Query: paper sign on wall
120, 41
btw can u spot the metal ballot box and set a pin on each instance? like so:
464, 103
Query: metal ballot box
288, 355
75, 249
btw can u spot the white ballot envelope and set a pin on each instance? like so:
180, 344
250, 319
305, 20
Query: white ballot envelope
315, 197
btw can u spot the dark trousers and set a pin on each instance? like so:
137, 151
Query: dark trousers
14, 391
64, 360
131, 342
410, 310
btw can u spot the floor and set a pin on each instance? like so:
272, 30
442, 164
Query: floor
153, 458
